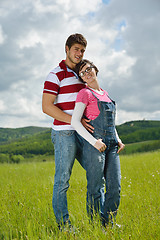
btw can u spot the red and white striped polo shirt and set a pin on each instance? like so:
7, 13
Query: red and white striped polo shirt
63, 83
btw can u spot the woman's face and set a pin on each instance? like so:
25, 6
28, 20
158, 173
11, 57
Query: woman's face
88, 73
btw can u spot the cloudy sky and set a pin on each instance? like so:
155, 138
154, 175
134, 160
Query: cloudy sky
123, 41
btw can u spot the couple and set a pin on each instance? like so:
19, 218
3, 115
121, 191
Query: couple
95, 142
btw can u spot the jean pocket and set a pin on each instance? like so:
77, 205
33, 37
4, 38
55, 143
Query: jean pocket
66, 133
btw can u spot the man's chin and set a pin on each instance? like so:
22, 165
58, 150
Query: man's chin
77, 61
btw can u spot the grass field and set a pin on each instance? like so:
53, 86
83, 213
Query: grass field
26, 195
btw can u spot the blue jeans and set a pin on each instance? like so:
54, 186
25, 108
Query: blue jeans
102, 169
67, 147
112, 174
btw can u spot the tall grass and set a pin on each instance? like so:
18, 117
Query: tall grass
26, 196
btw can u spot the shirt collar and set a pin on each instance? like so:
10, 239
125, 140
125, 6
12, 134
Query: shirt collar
66, 68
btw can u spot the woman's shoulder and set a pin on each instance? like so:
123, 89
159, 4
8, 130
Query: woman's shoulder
104, 91
84, 96
85, 91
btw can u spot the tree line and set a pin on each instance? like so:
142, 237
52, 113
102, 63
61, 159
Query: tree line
29, 142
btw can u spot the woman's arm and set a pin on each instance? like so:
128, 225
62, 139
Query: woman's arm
120, 144
76, 123
119, 140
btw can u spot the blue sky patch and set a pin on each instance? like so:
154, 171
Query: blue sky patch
106, 1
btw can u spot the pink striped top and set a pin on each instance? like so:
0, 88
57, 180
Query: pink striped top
85, 96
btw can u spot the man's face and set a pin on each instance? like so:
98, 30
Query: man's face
75, 54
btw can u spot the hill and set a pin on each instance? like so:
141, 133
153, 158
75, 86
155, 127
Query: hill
22, 143
139, 131
27, 144
12, 134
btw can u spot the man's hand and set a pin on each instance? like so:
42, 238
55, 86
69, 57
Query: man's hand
85, 122
121, 147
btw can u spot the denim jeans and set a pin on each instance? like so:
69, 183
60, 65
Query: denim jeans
112, 174
67, 147
102, 169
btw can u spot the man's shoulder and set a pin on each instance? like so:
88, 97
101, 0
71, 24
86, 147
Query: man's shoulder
57, 73
56, 70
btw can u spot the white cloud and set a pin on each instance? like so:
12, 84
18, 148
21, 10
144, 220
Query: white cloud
31, 39
123, 41
43, 7
2, 35
79, 8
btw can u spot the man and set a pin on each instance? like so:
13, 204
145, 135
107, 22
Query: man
60, 91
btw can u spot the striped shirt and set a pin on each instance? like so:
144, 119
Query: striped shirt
63, 83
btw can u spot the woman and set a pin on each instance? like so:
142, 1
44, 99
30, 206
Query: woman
100, 149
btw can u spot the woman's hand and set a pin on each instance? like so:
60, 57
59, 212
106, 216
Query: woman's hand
121, 147
100, 146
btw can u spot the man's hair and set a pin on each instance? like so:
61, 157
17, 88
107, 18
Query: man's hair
81, 64
76, 38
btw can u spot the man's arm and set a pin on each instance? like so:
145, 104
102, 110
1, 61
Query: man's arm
50, 109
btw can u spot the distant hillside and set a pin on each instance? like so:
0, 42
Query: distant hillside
28, 142
28, 146
12, 134
133, 131
139, 131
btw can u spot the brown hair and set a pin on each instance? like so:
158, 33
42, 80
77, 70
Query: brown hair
76, 38
81, 64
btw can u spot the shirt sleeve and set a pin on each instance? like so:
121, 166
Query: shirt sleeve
77, 125
51, 84
119, 140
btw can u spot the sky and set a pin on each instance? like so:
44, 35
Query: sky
123, 42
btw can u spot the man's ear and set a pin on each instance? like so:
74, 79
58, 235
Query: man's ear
66, 49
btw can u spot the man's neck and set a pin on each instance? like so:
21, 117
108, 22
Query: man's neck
70, 64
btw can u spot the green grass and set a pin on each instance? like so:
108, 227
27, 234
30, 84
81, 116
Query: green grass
26, 195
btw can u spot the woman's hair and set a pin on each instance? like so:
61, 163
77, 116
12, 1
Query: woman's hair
76, 38
81, 64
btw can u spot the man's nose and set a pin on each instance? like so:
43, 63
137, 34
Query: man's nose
80, 53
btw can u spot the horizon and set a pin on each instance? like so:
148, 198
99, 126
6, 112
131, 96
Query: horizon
142, 120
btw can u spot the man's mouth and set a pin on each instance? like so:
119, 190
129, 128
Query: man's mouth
78, 58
